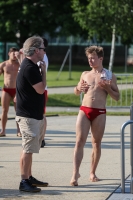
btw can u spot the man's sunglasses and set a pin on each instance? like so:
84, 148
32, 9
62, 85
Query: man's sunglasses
44, 49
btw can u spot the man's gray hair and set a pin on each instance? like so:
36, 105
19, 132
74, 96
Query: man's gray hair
31, 44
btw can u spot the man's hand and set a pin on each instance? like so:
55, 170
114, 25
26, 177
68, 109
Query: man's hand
42, 66
105, 84
17, 54
83, 86
20, 56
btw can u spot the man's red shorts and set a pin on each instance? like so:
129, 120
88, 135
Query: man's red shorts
46, 99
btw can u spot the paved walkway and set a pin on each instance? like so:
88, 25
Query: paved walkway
11, 113
56, 110
54, 162
68, 90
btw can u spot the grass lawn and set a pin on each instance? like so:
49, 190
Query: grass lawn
71, 100
65, 78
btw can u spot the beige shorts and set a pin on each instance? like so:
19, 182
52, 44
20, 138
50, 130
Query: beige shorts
32, 131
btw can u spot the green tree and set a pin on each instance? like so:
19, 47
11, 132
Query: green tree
105, 20
21, 19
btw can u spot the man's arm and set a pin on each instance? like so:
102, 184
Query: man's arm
82, 85
20, 56
1, 68
76, 90
39, 87
111, 88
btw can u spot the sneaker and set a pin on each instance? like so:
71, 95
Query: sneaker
35, 182
43, 143
26, 186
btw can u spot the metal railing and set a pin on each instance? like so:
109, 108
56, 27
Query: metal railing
125, 85
123, 152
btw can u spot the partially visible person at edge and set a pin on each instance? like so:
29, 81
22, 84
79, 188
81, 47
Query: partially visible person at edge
45, 59
20, 57
96, 85
9, 69
30, 86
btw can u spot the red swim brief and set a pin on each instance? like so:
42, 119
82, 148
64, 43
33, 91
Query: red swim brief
92, 113
45, 100
10, 91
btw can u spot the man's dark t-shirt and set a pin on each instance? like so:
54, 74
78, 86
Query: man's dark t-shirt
30, 104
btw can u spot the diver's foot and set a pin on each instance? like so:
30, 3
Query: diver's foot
94, 178
74, 181
2, 134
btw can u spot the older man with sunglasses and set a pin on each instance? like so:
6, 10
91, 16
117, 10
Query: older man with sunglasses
30, 85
